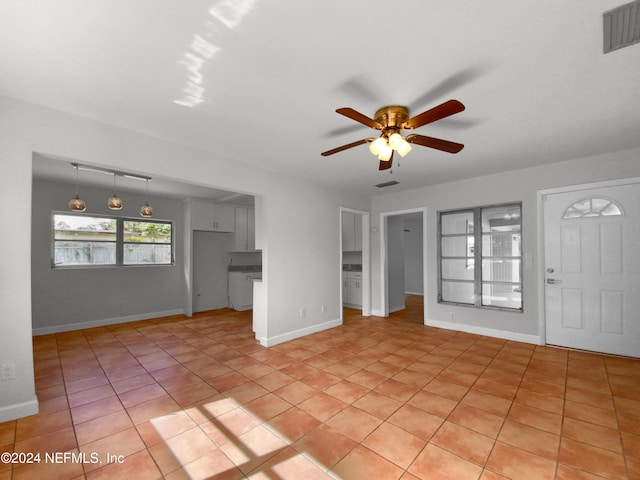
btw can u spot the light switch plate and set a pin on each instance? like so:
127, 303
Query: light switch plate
528, 261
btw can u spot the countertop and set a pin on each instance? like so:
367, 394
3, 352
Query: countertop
245, 268
351, 267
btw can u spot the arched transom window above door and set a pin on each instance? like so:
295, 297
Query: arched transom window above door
593, 207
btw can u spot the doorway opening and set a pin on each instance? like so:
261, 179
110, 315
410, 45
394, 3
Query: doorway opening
403, 252
355, 279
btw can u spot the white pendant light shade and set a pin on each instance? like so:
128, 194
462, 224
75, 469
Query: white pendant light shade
399, 144
377, 145
404, 148
395, 140
385, 154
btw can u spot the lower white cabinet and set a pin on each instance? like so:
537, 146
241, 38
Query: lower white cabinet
241, 289
352, 289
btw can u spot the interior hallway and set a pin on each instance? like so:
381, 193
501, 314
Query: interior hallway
413, 310
195, 398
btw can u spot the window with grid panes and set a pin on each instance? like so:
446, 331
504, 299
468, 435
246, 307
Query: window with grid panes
480, 256
81, 240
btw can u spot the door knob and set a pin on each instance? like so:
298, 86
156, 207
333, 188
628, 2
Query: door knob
549, 270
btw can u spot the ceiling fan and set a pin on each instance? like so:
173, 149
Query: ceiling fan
391, 120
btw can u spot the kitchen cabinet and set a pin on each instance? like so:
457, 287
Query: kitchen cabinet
241, 289
212, 217
352, 289
245, 229
351, 232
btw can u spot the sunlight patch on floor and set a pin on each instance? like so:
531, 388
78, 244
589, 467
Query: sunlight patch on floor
223, 438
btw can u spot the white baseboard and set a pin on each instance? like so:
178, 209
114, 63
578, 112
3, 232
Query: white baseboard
489, 332
106, 321
379, 313
19, 410
285, 337
352, 305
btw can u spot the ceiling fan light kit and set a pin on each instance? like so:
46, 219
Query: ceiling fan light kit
377, 145
398, 143
391, 120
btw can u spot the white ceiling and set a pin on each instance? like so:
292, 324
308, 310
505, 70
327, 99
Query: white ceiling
269, 74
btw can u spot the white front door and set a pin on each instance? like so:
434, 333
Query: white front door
592, 269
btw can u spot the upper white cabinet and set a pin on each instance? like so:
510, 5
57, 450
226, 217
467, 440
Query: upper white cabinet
351, 232
245, 229
212, 217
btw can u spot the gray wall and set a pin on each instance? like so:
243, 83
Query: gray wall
395, 262
71, 298
413, 256
405, 268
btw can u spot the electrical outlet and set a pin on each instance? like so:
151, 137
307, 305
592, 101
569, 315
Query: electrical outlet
303, 312
323, 309
8, 371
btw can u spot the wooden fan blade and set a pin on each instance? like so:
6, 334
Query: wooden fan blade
443, 110
359, 117
345, 147
444, 145
386, 165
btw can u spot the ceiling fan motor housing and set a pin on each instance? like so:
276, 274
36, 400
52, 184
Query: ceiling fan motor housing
392, 116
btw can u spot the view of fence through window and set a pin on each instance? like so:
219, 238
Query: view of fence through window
81, 240
146, 243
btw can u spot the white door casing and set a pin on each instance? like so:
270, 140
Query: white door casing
592, 269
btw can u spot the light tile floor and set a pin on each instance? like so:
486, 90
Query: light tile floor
196, 398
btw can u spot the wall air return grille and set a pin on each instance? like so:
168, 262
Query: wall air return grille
622, 26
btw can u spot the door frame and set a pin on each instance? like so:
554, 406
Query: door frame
384, 260
541, 195
366, 262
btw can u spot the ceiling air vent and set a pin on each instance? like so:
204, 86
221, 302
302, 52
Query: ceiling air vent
386, 184
622, 26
